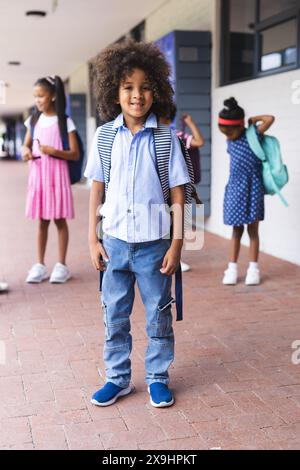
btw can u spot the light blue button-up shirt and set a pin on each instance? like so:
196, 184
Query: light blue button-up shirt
134, 208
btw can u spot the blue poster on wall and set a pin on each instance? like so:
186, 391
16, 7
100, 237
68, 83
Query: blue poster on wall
167, 46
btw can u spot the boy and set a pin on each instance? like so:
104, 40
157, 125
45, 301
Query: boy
134, 92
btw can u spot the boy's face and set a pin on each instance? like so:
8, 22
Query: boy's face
135, 95
42, 98
232, 133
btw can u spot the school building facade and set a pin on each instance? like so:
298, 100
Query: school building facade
218, 49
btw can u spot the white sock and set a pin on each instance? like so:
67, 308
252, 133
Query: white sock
253, 265
232, 266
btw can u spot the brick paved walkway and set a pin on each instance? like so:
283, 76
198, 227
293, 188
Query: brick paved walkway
235, 384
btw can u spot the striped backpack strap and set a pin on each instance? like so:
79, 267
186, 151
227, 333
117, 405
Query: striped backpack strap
162, 144
105, 142
189, 188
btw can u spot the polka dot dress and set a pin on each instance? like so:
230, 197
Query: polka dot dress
244, 193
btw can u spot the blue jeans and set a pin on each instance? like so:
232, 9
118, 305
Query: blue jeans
141, 262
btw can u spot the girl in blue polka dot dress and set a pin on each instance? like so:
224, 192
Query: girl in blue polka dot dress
244, 193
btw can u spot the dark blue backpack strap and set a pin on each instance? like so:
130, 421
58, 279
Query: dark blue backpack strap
178, 293
65, 137
65, 142
100, 279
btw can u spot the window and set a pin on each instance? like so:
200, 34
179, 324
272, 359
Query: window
241, 39
259, 37
278, 46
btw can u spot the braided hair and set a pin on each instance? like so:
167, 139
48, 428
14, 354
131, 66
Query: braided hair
55, 86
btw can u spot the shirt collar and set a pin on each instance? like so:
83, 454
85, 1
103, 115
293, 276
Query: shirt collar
151, 122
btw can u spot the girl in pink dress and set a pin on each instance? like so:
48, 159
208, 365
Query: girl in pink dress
49, 195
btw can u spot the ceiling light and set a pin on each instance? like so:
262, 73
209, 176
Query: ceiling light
36, 13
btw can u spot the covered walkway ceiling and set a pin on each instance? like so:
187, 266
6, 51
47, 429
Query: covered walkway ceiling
72, 32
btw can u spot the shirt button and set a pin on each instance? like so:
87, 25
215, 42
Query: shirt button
129, 211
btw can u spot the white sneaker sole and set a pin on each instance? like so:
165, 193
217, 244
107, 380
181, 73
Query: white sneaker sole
230, 277
34, 281
162, 404
186, 268
57, 281
252, 283
252, 280
122, 393
232, 283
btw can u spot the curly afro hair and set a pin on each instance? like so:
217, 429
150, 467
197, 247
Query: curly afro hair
117, 62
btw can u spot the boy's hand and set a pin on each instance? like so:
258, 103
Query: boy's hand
96, 250
171, 261
26, 154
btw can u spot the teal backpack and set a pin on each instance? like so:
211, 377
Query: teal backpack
275, 173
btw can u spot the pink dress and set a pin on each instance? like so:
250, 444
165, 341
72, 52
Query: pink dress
49, 194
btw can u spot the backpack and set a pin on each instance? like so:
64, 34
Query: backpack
193, 152
75, 166
195, 158
162, 144
275, 173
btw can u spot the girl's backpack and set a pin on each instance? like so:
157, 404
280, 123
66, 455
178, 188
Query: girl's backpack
193, 152
275, 173
75, 166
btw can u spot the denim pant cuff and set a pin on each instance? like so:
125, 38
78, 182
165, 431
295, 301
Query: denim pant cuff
162, 381
119, 384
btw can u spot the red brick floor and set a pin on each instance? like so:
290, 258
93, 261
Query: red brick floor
234, 381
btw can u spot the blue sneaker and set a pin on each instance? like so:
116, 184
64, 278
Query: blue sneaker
160, 395
108, 394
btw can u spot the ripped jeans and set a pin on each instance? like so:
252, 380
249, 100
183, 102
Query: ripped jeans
141, 262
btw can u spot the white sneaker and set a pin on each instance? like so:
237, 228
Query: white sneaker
230, 277
253, 277
60, 274
184, 267
37, 274
3, 286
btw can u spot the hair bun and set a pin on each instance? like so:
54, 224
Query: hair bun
232, 110
231, 104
